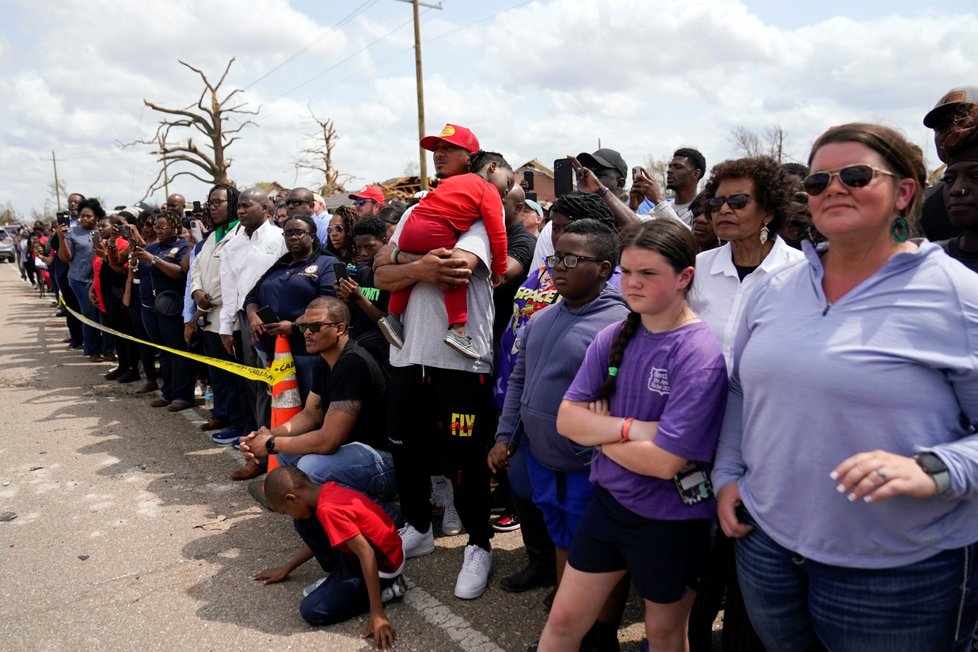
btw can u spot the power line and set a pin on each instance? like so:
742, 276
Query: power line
409, 48
342, 23
341, 62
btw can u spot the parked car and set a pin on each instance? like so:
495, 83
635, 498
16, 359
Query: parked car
7, 247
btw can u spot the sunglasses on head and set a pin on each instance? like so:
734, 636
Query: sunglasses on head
853, 176
733, 201
315, 326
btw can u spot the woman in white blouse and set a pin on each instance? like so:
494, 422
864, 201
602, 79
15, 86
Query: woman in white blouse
747, 199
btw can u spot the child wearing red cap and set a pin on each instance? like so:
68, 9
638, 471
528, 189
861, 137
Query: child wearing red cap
438, 220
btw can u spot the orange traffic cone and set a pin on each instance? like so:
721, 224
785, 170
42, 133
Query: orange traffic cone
286, 402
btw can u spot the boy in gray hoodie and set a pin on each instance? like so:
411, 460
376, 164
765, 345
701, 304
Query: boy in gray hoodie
553, 345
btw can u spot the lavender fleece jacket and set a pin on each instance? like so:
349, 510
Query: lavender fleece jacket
893, 365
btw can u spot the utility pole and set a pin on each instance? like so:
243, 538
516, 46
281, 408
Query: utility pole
420, 82
57, 186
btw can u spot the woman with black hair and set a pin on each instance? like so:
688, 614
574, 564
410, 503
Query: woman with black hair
298, 277
340, 233
77, 249
162, 281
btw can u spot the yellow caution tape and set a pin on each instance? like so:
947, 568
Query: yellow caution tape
281, 368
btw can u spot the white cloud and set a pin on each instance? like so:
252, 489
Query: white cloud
542, 80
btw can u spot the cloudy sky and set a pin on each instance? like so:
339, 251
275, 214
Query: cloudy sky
536, 79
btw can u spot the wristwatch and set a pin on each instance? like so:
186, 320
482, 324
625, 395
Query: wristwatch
937, 469
270, 445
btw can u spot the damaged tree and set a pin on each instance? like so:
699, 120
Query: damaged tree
210, 116
319, 158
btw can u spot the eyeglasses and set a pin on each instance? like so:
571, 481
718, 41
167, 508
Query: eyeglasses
294, 233
570, 260
297, 202
336, 228
735, 202
214, 203
853, 176
315, 326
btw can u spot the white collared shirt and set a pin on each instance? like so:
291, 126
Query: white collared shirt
719, 296
243, 261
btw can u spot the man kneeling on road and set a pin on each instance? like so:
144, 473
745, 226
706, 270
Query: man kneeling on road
340, 434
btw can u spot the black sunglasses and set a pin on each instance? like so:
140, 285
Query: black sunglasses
570, 260
297, 202
696, 211
853, 176
735, 202
315, 326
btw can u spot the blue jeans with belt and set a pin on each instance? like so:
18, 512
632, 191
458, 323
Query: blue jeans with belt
354, 465
795, 603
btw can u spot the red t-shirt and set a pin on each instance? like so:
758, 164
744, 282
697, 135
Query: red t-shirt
97, 263
345, 513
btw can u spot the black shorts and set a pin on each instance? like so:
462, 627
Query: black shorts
664, 557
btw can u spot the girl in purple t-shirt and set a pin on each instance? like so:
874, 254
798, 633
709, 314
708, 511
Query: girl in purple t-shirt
650, 394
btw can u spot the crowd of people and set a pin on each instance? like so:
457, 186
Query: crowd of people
759, 394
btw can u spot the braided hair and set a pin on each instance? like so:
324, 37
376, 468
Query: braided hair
578, 205
232, 195
673, 241
348, 216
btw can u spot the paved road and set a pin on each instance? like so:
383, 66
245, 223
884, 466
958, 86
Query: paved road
128, 535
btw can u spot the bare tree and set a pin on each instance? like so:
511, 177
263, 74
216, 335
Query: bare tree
657, 168
319, 157
746, 141
749, 143
775, 141
9, 214
211, 117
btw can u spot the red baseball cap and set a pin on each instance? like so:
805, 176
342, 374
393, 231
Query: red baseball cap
370, 192
453, 135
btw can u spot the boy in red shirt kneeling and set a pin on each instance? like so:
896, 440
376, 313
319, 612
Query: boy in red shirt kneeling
353, 539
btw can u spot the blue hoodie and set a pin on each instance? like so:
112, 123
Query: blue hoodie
553, 345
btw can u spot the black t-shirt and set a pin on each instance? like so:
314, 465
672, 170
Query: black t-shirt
365, 330
520, 244
356, 376
934, 221
954, 250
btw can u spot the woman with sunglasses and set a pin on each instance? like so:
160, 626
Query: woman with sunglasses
746, 200
847, 469
340, 230
298, 277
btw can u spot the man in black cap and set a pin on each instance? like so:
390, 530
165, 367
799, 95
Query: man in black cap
954, 104
603, 173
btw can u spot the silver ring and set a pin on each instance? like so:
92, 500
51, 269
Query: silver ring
881, 472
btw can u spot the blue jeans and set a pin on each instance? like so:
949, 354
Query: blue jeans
91, 336
344, 593
354, 465
799, 604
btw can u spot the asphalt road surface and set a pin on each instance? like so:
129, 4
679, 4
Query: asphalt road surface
119, 529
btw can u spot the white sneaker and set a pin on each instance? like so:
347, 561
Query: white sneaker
414, 543
394, 591
437, 482
312, 587
474, 576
